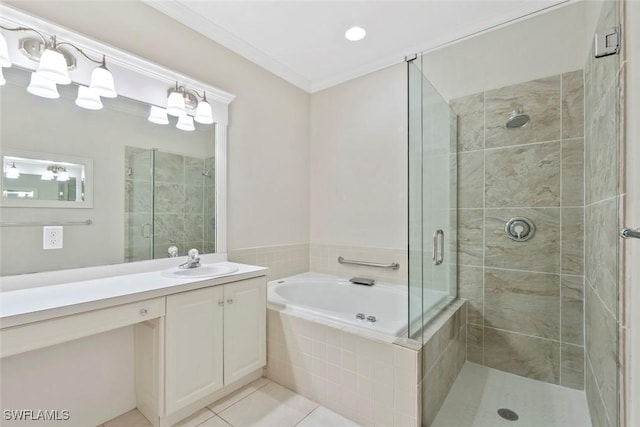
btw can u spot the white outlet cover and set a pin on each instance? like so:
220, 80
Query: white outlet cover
52, 237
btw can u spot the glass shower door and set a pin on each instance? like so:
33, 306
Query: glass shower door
432, 201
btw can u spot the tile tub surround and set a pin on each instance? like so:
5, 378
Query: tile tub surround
368, 381
603, 200
324, 259
525, 298
282, 260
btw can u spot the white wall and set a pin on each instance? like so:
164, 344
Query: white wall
359, 161
269, 120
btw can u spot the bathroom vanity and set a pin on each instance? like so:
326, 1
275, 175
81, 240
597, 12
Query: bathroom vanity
195, 339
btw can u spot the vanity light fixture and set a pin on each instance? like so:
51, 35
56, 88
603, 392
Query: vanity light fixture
59, 173
158, 116
56, 61
185, 122
179, 101
12, 172
88, 98
42, 87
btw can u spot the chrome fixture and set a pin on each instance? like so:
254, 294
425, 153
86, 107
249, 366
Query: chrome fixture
193, 260
519, 229
172, 251
55, 61
630, 233
12, 172
360, 316
393, 265
437, 253
371, 319
59, 173
518, 119
362, 281
179, 101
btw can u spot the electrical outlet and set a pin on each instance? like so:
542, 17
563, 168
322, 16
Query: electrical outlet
52, 238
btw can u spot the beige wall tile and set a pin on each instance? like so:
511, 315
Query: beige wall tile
572, 366
470, 237
573, 104
471, 180
525, 176
475, 344
540, 253
470, 111
572, 248
528, 303
540, 99
572, 309
530, 357
573, 172
596, 407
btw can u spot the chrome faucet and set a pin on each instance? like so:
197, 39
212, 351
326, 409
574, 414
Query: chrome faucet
193, 260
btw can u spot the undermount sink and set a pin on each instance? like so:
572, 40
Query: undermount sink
204, 271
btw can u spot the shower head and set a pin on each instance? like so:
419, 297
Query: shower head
518, 119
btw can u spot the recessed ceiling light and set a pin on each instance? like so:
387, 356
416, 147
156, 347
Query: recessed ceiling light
355, 33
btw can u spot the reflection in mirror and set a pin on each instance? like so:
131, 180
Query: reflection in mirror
138, 168
28, 179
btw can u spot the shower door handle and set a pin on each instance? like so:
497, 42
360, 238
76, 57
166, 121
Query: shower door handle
438, 247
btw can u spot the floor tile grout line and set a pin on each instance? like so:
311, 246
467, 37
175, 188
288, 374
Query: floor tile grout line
309, 414
240, 400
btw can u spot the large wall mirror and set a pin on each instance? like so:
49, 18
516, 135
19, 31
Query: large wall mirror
124, 189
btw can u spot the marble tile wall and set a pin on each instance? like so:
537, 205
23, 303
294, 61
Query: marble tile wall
602, 244
177, 204
282, 260
525, 299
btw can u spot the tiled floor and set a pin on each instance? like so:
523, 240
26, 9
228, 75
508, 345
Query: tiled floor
261, 403
479, 392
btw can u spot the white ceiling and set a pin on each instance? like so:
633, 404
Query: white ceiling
303, 41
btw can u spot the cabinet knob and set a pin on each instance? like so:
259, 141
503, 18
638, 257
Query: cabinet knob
230, 301
143, 312
221, 302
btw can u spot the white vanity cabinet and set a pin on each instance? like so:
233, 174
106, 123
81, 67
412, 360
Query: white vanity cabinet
213, 337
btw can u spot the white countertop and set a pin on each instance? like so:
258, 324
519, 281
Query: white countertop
41, 303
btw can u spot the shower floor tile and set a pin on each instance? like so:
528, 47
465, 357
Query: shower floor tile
479, 392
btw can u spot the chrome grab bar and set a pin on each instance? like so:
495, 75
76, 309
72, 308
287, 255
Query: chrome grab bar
629, 233
44, 224
438, 241
393, 265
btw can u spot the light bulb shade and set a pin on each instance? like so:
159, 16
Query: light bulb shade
5, 61
12, 172
185, 122
42, 87
63, 176
53, 67
158, 116
175, 104
102, 82
88, 99
2, 80
203, 113
47, 175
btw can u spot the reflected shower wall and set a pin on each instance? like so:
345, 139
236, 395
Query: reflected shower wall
169, 201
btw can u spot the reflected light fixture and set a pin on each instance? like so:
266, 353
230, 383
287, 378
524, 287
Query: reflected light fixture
88, 98
158, 116
59, 173
355, 33
12, 172
47, 175
5, 61
185, 122
42, 87
55, 61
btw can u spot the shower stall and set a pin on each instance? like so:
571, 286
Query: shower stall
432, 200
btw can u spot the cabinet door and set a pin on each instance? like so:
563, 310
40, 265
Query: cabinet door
245, 328
193, 343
